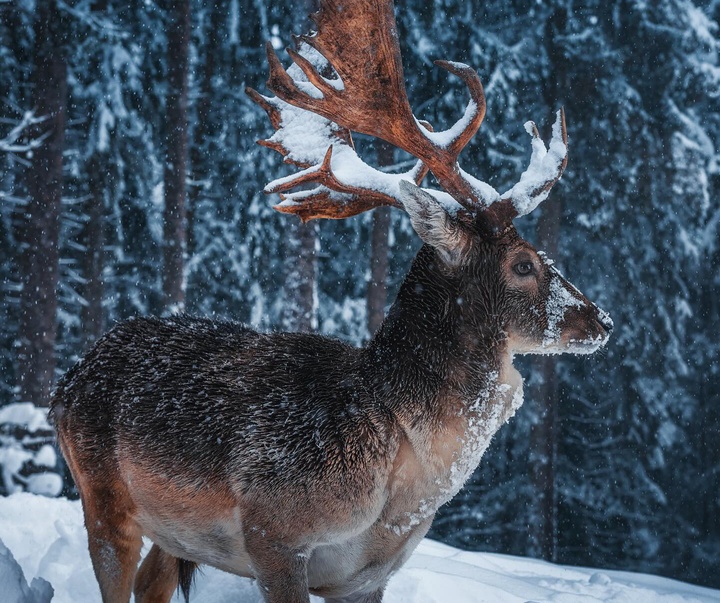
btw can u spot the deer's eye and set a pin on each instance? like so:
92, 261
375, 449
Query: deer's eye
523, 268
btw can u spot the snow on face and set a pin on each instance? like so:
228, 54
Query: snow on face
558, 302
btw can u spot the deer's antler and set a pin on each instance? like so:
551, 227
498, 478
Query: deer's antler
545, 169
348, 77
345, 184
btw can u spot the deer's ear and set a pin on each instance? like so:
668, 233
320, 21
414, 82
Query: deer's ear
433, 224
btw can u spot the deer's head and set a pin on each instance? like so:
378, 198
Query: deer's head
504, 283
347, 77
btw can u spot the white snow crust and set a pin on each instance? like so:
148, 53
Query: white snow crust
445, 138
48, 540
14, 586
486, 415
495, 404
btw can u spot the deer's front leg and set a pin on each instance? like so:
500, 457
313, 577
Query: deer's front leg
281, 571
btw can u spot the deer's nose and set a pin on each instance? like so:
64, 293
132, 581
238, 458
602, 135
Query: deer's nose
604, 319
606, 322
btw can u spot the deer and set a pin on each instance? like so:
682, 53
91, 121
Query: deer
303, 462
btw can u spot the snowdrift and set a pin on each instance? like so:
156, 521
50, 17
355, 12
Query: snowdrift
45, 542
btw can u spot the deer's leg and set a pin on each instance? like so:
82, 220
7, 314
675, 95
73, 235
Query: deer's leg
281, 571
114, 537
157, 577
114, 540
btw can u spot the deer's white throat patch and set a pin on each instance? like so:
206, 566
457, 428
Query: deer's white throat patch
496, 404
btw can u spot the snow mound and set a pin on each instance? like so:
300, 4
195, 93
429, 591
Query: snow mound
14, 586
27, 458
48, 540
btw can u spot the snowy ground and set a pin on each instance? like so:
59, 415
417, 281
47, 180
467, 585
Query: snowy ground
47, 538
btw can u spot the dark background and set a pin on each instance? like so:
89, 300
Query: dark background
139, 192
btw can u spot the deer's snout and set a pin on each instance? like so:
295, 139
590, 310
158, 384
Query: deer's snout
590, 329
574, 323
604, 319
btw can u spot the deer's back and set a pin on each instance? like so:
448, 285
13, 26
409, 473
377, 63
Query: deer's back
203, 401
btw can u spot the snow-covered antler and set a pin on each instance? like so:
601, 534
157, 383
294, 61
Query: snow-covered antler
347, 77
545, 169
345, 185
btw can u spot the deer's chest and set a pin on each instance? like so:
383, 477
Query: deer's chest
431, 468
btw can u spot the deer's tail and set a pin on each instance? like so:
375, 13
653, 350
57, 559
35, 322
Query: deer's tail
186, 577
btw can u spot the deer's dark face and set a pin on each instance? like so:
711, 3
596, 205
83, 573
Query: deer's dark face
543, 313
506, 285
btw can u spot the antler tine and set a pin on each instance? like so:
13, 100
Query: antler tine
545, 169
323, 174
475, 112
311, 73
323, 203
558, 153
264, 102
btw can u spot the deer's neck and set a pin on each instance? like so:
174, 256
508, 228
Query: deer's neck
432, 354
446, 374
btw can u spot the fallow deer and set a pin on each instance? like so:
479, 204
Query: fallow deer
305, 463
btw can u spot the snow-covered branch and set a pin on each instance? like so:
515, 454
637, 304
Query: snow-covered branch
11, 142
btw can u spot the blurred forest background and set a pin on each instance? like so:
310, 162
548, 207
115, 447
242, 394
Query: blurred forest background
131, 184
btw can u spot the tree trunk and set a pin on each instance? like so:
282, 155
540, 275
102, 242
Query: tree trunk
176, 150
543, 434
379, 251
543, 437
199, 151
38, 227
93, 239
299, 312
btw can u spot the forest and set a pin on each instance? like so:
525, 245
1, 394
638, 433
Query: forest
131, 184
